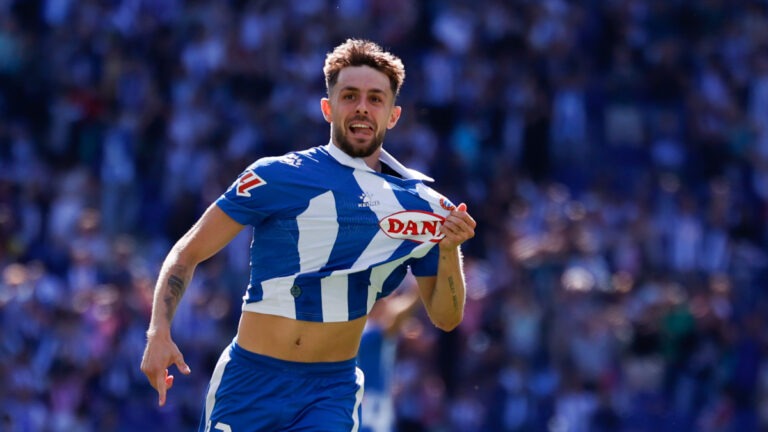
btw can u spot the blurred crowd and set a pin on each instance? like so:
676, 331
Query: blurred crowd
614, 153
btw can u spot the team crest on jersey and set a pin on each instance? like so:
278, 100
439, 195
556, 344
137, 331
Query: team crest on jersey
247, 182
418, 226
444, 203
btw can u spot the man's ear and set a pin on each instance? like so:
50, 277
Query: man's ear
394, 116
325, 107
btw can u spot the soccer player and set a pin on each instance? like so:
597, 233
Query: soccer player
335, 228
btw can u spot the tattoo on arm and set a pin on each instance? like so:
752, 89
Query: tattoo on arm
176, 289
455, 298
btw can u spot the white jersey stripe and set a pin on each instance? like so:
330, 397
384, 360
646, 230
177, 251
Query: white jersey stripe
334, 296
317, 234
380, 274
377, 250
430, 196
281, 302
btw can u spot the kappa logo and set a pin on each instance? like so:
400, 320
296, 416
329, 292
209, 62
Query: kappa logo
367, 200
418, 226
247, 182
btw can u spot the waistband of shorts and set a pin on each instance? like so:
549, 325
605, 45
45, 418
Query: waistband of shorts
285, 366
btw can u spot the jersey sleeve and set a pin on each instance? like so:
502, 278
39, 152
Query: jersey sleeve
255, 194
426, 265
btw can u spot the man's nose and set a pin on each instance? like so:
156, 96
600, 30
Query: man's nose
362, 107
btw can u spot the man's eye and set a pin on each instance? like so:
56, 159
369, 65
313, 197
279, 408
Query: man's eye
348, 97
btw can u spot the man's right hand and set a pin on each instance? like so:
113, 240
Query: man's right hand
159, 354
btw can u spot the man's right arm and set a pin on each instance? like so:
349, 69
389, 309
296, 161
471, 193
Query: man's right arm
214, 230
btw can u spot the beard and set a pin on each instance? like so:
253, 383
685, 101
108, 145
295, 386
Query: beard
341, 140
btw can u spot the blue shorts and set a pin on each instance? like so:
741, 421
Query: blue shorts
251, 392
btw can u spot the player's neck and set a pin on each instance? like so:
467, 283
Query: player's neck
373, 162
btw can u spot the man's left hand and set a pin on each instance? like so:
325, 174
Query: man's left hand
458, 227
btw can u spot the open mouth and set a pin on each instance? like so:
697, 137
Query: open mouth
360, 129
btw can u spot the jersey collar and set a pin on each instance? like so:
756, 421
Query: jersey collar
359, 163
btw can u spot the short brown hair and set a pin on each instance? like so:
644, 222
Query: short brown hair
360, 52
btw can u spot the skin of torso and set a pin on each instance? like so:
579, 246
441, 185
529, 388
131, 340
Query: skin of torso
299, 341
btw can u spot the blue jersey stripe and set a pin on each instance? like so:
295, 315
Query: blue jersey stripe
408, 200
308, 298
357, 222
392, 281
357, 298
270, 236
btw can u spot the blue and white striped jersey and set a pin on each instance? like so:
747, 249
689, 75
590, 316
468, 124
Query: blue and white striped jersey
331, 235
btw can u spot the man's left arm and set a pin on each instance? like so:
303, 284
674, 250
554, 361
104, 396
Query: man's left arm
444, 295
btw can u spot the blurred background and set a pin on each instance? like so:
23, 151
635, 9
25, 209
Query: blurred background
614, 153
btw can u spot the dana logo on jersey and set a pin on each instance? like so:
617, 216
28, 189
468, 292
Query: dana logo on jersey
418, 226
